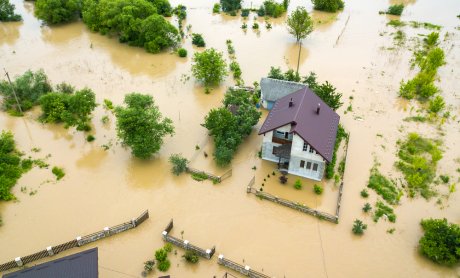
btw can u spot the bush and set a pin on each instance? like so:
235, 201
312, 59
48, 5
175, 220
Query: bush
367, 207
197, 39
364, 193
58, 172
164, 265
29, 87
230, 5
395, 9
181, 12
148, 266
7, 12
437, 104
182, 52
191, 257
57, 11
298, 184
235, 68
90, 138
384, 187
168, 247
359, 227
245, 12
444, 178
209, 67
318, 189
216, 8
141, 126
161, 255
441, 241
273, 9
328, 5
179, 164
255, 26
382, 209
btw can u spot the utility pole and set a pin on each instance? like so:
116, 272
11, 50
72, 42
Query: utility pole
298, 59
14, 92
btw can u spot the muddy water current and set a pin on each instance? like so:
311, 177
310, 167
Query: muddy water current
102, 188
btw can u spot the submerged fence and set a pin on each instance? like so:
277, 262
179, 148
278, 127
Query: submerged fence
211, 176
245, 270
339, 198
79, 241
185, 244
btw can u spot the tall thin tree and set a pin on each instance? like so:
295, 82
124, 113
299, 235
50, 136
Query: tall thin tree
300, 26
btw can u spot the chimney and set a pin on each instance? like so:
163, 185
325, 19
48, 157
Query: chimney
318, 108
291, 103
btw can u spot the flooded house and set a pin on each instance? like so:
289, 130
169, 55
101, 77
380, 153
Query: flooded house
299, 134
273, 89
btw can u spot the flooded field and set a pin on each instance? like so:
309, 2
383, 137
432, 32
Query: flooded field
103, 188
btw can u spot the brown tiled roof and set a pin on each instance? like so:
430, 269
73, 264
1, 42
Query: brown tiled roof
319, 130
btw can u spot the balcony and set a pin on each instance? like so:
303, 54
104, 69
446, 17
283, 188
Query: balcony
282, 138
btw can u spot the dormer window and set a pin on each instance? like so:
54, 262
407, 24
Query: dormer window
305, 146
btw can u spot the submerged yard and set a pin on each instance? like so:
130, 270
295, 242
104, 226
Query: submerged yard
103, 185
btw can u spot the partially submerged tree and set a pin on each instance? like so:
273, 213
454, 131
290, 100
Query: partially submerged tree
179, 164
300, 24
57, 11
230, 5
7, 12
141, 126
209, 67
328, 5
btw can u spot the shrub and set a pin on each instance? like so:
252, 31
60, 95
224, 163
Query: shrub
395, 9
191, 257
245, 12
441, 241
28, 87
7, 12
216, 8
367, 207
318, 189
90, 138
168, 247
364, 193
273, 9
182, 52
148, 266
141, 126
437, 104
444, 178
164, 265
161, 255
255, 26
197, 39
57, 11
108, 104
328, 5
359, 227
230, 5
58, 172
235, 68
179, 164
382, 209
200, 176
209, 67
384, 187
244, 26
298, 184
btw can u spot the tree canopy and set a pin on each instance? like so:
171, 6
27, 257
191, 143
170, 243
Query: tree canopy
141, 126
57, 11
300, 24
328, 5
231, 123
441, 241
29, 87
209, 67
7, 12
230, 5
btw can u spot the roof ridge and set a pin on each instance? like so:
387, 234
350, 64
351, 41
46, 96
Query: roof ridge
300, 105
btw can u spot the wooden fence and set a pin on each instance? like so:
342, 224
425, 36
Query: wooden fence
211, 176
245, 270
207, 254
79, 241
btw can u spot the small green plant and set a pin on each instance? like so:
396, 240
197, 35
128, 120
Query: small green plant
298, 184
255, 26
161, 255
105, 119
364, 193
199, 176
396, 23
58, 172
444, 178
359, 227
245, 12
191, 257
383, 186
168, 247
179, 164
90, 138
391, 231
395, 9
108, 104
182, 52
197, 39
437, 104
382, 209
244, 26
235, 68
367, 207
164, 265
216, 8
268, 25
197, 147
318, 189
148, 266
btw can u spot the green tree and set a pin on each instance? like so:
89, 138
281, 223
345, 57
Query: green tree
328, 5
359, 227
436, 104
230, 5
141, 126
209, 67
57, 11
163, 7
28, 87
326, 91
273, 9
7, 12
441, 241
300, 24
158, 34
179, 164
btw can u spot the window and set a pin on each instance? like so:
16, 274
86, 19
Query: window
279, 132
302, 164
315, 167
308, 165
312, 150
273, 151
286, 135
305, 146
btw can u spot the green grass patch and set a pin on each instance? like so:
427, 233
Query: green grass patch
425, 25
381, 209
384, 187
418, 159
199, 176
396, 23
418, 118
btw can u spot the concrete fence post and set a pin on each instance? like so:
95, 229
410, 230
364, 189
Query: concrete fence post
246, 270
18, 261
49, 249
220, 259
164, 234
133, 222
208, 253
186, 242
107, 231
79, 241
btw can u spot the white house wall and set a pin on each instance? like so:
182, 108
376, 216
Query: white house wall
267, 147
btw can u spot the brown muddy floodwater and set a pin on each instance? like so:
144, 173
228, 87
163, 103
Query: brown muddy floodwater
103, 188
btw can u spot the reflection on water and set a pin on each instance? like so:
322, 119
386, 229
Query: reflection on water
292, 55
9, 32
